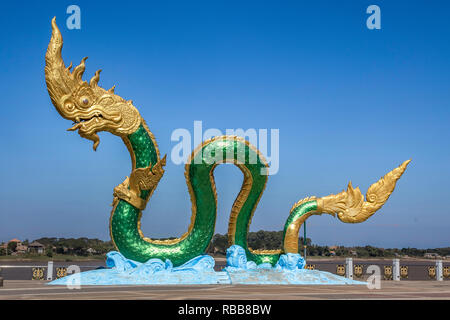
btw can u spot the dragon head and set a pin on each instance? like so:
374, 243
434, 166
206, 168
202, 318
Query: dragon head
90, 107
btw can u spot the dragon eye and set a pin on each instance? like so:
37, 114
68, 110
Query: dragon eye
84, 101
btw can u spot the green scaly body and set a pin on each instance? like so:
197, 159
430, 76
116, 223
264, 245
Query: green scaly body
125, 226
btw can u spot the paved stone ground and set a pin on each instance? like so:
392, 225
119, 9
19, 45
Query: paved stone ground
27, 289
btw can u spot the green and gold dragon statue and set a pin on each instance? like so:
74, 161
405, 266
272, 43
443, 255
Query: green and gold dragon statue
94, 109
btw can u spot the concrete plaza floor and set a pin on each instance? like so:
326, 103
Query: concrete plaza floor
28, 289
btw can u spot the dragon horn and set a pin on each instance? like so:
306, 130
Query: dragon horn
53, 56
60, 81
55, 71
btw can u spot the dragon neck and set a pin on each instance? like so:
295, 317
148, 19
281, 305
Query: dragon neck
143, 150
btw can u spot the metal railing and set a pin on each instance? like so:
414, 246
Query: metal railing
50, 271
395, 269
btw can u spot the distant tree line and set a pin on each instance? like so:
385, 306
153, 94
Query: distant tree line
77, 246
270, 240
265, 240
69, 246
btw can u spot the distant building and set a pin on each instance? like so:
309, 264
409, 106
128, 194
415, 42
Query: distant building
17, 241
91, 251
36, 247
21, 249
431, 255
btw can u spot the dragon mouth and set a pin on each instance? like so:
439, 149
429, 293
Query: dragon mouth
92, 122
82, 122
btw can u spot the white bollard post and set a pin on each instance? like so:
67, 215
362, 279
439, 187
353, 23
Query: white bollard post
396, 269
349, 268
439, 270
50, 270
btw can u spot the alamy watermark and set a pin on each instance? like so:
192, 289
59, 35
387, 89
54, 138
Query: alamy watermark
374, 280
74, 20
75, 280
374, 20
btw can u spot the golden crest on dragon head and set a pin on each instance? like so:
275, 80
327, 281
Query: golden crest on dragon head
90, 107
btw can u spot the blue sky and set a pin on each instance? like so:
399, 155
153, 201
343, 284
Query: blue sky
350, 103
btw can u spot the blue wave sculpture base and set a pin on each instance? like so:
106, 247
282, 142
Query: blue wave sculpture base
200, 270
